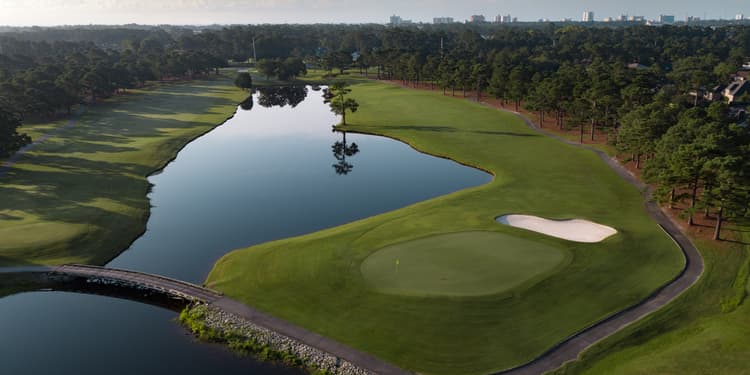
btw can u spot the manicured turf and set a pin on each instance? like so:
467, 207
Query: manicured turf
80, 196
316, 280
460, 264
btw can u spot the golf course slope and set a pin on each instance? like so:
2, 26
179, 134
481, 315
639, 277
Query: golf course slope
447, 312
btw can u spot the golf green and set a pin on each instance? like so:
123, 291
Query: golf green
460, 264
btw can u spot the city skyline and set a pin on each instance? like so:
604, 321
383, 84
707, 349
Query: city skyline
202, 12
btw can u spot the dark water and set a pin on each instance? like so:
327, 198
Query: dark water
268, 173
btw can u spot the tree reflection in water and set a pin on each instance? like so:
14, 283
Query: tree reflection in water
281, 96
247, 104
342, 150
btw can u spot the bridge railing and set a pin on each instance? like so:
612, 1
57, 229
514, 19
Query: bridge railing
111, 273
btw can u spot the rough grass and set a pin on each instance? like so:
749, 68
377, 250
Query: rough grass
315, 280
705, 331
460, 264
80, 196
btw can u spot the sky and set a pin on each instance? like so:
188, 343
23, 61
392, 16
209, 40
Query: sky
204, 12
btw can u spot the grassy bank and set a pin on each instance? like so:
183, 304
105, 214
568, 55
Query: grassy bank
80, 196
317, 281
705, 331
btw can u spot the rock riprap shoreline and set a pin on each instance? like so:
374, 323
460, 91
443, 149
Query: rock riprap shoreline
213, 324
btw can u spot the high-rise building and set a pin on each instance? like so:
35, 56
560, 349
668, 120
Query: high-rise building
503, 19
588, 16
477, 18
636, 18
396, 21
442, 20
739, 17
665, 19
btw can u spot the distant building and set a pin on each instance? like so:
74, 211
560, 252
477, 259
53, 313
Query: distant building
735, 90
609, 19
622, 18
636, 18
397, 21
503, 19
442, 20
689, 19
714, 94
667, 20
739, 17
477, 18
588, 16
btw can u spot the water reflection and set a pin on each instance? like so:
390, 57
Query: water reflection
247, 104
342, 150
281, 96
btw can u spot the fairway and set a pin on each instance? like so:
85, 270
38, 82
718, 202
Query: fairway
317, 280
80, 196
460, 264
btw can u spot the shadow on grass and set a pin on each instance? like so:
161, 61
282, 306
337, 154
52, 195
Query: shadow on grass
67, 195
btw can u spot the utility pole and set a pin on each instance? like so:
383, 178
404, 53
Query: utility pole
255, 56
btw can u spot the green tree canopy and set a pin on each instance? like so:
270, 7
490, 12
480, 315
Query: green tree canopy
10, 140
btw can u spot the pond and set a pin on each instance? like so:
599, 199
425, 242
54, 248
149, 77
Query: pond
275, 170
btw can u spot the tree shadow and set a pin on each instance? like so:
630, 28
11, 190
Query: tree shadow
68, 189
93, 148
6, 217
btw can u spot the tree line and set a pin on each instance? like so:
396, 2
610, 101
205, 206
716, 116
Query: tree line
643, 87
51, 81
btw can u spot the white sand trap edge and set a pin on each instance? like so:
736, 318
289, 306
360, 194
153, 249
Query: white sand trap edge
577, 230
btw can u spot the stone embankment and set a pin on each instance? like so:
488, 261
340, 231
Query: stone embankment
227, 324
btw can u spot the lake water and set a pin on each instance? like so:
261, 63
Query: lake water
274, 171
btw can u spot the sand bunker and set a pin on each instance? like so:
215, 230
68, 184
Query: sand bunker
573, 230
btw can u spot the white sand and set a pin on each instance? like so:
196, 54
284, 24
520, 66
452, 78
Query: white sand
573, 230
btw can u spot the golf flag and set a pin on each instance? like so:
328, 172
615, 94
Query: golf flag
398, 262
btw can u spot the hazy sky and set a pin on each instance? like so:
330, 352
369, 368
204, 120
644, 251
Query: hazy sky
58, 12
